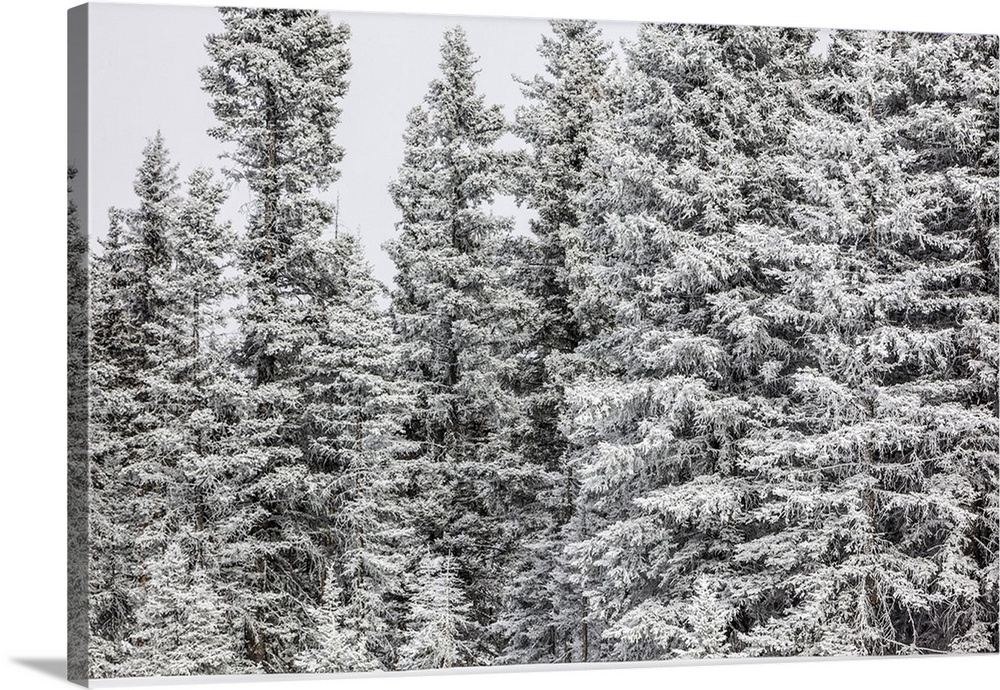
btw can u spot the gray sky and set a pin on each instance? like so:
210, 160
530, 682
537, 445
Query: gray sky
144, 77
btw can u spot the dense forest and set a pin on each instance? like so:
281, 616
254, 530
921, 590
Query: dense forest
733, 394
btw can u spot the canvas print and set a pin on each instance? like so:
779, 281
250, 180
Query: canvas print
405, 342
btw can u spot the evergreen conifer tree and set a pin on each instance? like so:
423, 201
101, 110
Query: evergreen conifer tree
877, 483
156, 297
184, 626
354, 413
677, 348
274, 83
542, 610
457, 311
129, 468
441, 626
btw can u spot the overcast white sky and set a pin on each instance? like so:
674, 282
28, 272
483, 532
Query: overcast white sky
144, 77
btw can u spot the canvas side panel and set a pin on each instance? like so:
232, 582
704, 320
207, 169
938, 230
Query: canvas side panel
78, 541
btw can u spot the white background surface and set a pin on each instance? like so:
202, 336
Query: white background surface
32, 348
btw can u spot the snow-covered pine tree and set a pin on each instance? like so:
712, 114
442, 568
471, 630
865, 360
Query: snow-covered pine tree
338, 644
354, 413
129, 469
313, 483
541, 618
441, 629
155, 428
149, 293
185, 623
686, 153
111, 580
184, 626
460, 317
876, 500
78, 437
274, 82
202, 250
199, 374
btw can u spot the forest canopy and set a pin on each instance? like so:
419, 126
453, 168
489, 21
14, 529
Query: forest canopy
733, 393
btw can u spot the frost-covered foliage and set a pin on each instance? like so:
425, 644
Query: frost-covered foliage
79, 535
441, 630
461, 319
274, 81
156, 297
183, 626
127, 485
733, 394
354, 422
542, 620
874, 524
245, 472
794, 405
695, 121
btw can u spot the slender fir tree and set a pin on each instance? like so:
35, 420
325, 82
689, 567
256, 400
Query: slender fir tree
458, 314
155, 429
184, 624
541, 620
355, 406
130, 471
275, 79
442, 627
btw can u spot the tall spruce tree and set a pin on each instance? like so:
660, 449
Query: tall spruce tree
354, 414
184, 624
457, 314
275, 80
686, 154
442, 628
156, 299
129, 469
541, 620
877, 486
